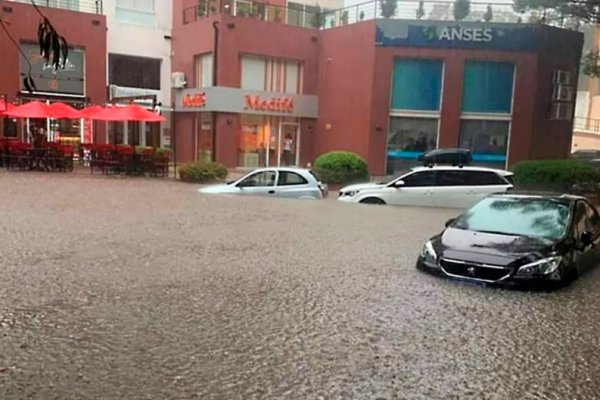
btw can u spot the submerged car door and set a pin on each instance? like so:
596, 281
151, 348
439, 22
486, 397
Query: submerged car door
487, 182
452, 189
416, 190
589, 222
259, 184
293, 185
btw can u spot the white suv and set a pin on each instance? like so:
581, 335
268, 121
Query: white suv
438, 186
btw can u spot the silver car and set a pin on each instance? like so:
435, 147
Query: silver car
273, 182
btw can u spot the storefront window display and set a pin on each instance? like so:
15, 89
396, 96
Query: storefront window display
487, 140
408, 138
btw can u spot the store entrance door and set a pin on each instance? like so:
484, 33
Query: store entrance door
289, 144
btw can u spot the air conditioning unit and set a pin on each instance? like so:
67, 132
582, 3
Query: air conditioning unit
178, 80
562, 77
563, 93
562, 111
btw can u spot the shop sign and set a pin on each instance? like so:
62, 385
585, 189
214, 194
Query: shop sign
67, 80
194, 100
275, 104
242, 101
469, 35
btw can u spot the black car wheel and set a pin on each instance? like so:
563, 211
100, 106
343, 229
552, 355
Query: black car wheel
372, 200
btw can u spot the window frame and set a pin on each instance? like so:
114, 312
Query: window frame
248, 177
280, 174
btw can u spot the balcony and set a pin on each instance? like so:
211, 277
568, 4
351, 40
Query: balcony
314, 17
586, 125
84, 6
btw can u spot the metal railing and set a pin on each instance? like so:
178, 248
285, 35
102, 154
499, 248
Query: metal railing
85, 6
586, 125
315, 17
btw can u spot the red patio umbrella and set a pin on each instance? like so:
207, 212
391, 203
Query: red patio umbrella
129, 113
33, 109
64, 111
90, 111
136, 113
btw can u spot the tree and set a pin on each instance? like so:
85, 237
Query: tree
488, 16
462, 8
388, 8
421, 10
568, 14
53, 46
583, 10
318, 18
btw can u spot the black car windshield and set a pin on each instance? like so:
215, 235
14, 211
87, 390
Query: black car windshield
531, 217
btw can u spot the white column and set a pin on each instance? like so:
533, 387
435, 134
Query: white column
125, 133
142, 134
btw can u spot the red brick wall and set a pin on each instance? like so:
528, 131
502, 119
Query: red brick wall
77, 28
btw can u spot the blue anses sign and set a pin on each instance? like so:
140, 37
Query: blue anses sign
463, 35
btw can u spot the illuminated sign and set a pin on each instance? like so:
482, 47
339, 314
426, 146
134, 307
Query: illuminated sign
275, 104
194, 100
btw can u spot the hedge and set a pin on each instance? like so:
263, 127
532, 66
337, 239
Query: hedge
573, 176
202, 172
341, 167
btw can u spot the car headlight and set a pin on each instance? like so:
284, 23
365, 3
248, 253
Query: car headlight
351, 193
428, 255
545, 266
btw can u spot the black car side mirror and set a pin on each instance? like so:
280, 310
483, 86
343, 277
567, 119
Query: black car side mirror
450, 222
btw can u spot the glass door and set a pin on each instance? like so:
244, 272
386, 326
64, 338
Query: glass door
289, 141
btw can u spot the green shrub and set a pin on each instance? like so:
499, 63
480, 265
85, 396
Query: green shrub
341, 167
573, 176
200, 172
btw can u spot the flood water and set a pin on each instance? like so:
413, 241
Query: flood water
144, 289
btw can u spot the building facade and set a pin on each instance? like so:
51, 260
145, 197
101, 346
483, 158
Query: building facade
81, 82
385, 89
139, 65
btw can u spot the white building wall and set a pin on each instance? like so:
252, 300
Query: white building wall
142, 28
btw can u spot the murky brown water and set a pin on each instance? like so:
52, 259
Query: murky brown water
143, 289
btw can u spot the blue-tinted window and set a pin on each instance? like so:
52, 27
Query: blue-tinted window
417, 85
488, 87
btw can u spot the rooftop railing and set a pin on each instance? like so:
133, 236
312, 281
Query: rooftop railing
321, 18
85, 6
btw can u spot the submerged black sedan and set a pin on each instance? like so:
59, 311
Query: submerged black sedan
517, 238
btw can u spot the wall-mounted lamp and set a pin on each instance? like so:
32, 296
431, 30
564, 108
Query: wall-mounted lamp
313, 38
231, 25
228, 121
378, 128
7, 9
327, 126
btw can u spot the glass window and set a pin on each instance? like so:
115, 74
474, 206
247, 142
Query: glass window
407, 139
417, 85
453, 178
204, 70
487, 87
10, 127
592, 219
481, 178
291, 77
418, 179
253, 72
487, 140
539, 218
260, 179
134, 72
287, 178
137, 5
